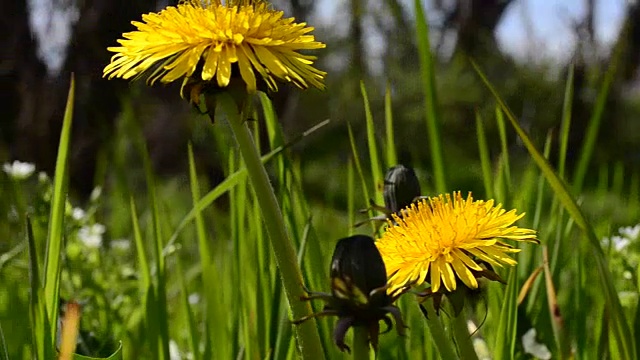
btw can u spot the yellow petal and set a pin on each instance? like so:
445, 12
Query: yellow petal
246, 71
210, 65
464, 273
435, 276
468, 262
448, 276
270, 61
223, 74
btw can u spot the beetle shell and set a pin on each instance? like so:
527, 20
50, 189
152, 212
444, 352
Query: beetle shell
356, 259
401, 187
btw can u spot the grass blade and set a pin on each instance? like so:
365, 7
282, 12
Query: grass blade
390, 149
566, 123
363, 180
160, 296
3, 345
507, 324
430, 99
485, 160
619, 326
557, 321
504, 144
55, 230
40, 336
231, 181
143, 263
374, 160
192, 326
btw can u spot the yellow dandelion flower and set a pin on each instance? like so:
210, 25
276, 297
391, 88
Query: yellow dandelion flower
443, 237
200, 40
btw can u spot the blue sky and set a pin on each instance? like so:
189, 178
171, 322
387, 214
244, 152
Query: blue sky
551, 25
550, 20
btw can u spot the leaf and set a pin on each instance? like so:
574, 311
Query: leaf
374, 160
56, 224
430, 98
506, 335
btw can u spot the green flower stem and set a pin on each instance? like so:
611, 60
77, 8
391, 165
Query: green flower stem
463, 339
308, 338
360, 347
442, 343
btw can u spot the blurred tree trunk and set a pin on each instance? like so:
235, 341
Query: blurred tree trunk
626, 77
356, 34
625, 58
475, 22
36, 99
20, 70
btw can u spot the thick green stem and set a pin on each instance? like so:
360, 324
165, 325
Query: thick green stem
442, 343
463, 339
308, 338
360, 345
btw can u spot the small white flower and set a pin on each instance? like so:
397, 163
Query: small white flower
482, 349
533, 347
194, 298
95, 194
43, 177
627, 275
121, 244
78, 214
174, 351
619, 243
91, 235
630, 232
19, 170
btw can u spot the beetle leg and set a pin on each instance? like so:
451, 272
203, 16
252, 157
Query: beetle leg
325, 312
388, 323
340, 331
395, 312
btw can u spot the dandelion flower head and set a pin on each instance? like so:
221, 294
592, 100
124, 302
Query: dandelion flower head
445, 237
210, 41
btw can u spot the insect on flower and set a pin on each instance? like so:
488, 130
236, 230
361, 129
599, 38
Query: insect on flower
358, 291
401, 189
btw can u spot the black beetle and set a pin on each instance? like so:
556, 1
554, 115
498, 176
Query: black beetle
358, 291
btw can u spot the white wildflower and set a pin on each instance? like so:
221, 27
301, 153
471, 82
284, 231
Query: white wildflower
19, 170
43, 177
533, 347
78, 214
481, 348
194, 298
619, 243
91, 235
121, 244
174, 351
630, 232
96, 193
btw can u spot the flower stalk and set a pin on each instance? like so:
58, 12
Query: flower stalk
462, 337
307, 333
436, 329
360, 345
